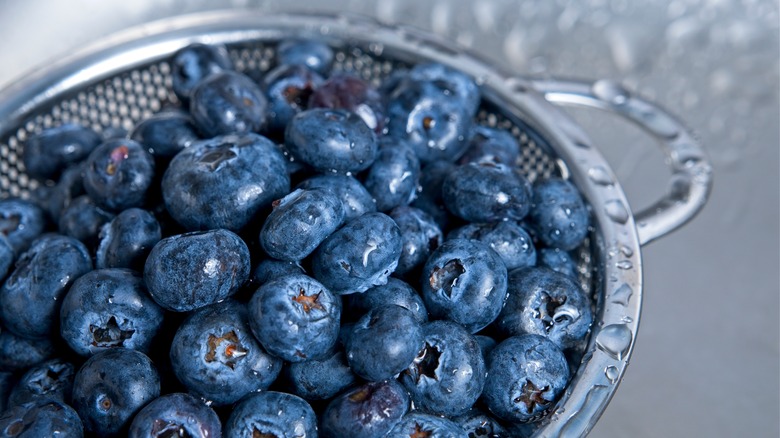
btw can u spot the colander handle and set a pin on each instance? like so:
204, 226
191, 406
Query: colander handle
691, 178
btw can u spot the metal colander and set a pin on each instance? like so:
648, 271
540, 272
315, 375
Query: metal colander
127, 78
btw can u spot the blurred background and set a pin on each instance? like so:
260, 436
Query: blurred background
707, 358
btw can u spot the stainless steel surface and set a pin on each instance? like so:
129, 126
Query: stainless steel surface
706, 361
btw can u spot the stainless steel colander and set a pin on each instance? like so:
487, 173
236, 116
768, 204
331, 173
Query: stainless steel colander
126, 78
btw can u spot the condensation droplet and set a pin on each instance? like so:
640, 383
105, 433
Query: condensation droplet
600, 176
626, 251
584, 414
622, 294
610, 91
615, 340
612, 374
616, 211
624, 264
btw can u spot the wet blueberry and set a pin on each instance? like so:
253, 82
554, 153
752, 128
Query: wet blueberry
450, 82
479, 424
547, 303
166, 133
224, 182
429, 197
289, 89
558, 260
310, 53
331, 140
395, 292
320, 379
368, 411
41, 418
417, 424
384, 342
195, 62
493, 145
118, 173
271, 414
18, 353
447, 376
526, 375
421, 236
46, 154
216, 357
109, 308
82, 219
392, 179
559, 215
362, 254
270, 269
20, 222
31, 296
192, 270
126, 241
356, 199
487, 192
51, 380
111, 387
299, 222
176, 415
295, 318
353, 94
465, 281
507, 238
228, 103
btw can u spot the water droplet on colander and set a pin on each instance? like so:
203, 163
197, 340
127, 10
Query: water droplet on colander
612, 374
627, 319
624, 264
610, 91
616, 211
615, 340
586, 411
622, 294
600, 176
659, 123
626, 251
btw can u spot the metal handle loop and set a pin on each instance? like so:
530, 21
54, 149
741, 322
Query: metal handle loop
691, 178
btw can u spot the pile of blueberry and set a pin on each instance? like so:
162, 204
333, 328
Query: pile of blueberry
305, 255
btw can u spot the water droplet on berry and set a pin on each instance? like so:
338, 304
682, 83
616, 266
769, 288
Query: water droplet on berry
616, 211
612, 374
615, 340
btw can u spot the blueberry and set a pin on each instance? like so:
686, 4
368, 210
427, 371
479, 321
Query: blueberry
7, 258
507, 238
228, 103
192, 270
7, 382
310, 53
465, 281
368, 411
547, 303
118, 173
558, 260
320, 379
478, 424
331, 140
175, 415
109, 308
46, 154
270, 269
417, 424
41, 418
30, 298
82, 219
451, 82
289, 89
194, 63
493, 145
447, 376
429, 198
421, 236
526, 375
20, 222
216, 357
559, 215
54, 199
299, 222
295, 318
126, 241
356, 199
362, 254
392, 179
434, 125
486, 344
51, 380
111, 387
384, 342
395, 292
224, 182
271, 414
486, 192
165, 134
18, 353
353, 94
